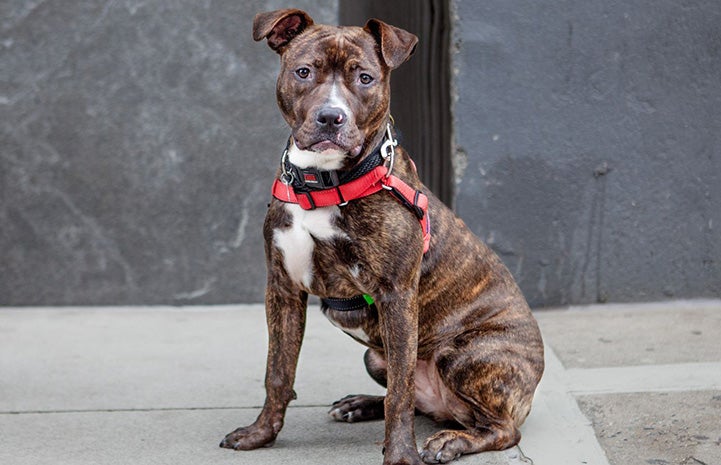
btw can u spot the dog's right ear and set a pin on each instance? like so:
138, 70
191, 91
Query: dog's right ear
280, 26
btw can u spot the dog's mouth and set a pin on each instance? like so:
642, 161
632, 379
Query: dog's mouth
324, 145
327, 144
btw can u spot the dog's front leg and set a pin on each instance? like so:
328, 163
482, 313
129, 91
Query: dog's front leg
285, 315
398, 314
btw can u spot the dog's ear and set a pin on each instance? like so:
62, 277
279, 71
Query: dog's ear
280, 26
396, 45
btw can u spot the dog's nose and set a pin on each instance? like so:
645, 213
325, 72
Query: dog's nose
330, 118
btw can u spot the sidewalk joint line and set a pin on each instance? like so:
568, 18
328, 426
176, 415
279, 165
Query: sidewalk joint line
141, 410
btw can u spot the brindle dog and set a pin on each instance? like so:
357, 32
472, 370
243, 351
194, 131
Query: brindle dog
450, 334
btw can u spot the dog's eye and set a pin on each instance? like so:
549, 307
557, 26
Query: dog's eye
302, 73
365, 79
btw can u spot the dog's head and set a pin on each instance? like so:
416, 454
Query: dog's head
334, 83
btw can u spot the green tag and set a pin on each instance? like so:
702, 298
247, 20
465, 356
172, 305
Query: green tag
369, 299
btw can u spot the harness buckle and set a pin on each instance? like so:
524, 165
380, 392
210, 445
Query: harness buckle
388, 151
313, 178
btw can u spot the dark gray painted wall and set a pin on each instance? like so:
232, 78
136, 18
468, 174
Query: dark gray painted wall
138, 141
589, 138
420, 88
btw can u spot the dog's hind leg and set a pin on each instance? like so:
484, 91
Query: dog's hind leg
448, 445
359, 407
494, 373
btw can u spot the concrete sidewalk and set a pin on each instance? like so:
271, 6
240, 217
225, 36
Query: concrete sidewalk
624, 385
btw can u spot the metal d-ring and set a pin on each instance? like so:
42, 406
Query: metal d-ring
388, 149
286, 177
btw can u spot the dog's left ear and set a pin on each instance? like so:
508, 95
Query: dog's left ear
280, 26
396, 44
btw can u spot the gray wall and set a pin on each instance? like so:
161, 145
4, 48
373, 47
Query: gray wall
137, 145
138, 140
589, 138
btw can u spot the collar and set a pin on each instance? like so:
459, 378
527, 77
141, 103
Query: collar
311, 188
312, 179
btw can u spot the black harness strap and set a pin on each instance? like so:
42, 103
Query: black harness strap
346, 305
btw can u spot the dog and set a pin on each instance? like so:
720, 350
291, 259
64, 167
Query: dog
448, 332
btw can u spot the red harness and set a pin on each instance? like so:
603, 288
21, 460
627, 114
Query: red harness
368, 184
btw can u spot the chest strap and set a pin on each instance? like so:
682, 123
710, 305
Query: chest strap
368, 184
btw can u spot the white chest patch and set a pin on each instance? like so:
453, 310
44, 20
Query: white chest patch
297, 242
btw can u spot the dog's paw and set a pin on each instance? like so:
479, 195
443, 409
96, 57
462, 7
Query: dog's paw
443, 447
355, 408
248, 438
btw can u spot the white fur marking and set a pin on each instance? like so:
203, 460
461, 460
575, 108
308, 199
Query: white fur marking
336, 100
357, 333
355, 271
297, 242
325, 160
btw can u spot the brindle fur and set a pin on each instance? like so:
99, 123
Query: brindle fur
456, 310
